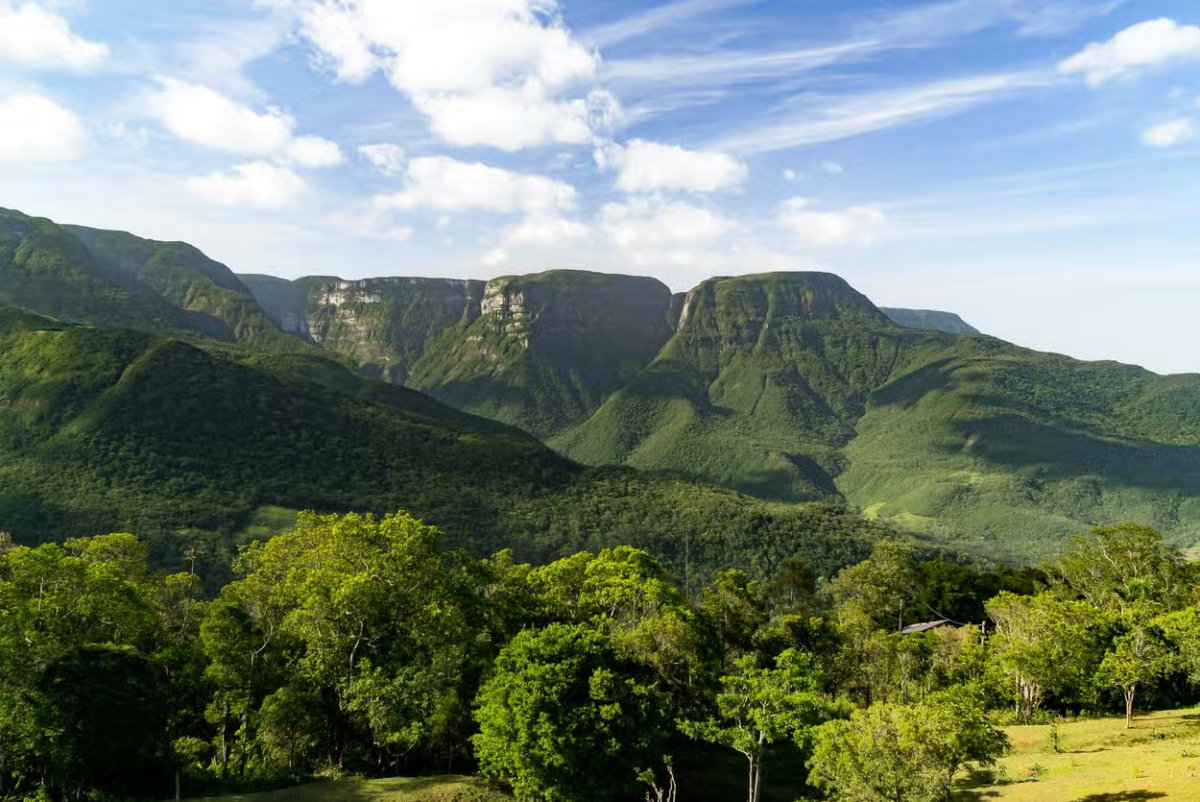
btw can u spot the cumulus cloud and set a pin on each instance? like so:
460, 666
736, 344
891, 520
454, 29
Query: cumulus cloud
205, 117
501, 73
385, 157
34, 128
36, 37
547, 231
858, 225
256, 184
652, 166
1147, 45
314, 151
1170, 134
440, 183
648, 223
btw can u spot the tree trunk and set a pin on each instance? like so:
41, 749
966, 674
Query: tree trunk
1129, 696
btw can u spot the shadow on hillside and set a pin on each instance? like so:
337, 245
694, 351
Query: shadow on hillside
1023, 433
1122, 796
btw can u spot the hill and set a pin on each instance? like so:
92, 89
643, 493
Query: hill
795, 387
204, 445
540, 352
929, 320
110, 278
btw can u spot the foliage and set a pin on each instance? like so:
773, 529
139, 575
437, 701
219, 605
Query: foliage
562, 717
758, 707
905, 753
1045, 646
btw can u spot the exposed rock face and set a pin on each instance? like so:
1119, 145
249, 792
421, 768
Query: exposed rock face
541, 352
547, 349
930, 320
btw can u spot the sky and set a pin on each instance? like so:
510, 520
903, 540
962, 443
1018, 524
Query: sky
1028, 164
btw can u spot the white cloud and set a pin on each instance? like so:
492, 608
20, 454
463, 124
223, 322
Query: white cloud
1170, 134
496, 257
832, 168
385, 157
36, 37
646, 223
790, 175
547, 231
651, 166
34, 128
443, 184
255, 184
854, 226
205, 117
1147, 45
315, 152
501, 73
841, 118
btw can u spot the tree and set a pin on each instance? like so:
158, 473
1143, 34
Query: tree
564, 718
878, 588
1136, 659
1115, 567
758, 707
1044, 645
904, 753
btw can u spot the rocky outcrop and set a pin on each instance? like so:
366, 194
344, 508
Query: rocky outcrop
930, 320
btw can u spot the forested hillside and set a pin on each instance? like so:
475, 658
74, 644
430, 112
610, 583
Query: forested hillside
112, 430
111, 278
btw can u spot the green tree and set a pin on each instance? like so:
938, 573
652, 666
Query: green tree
758, 707
875, 592
563, 718
1115, 567
1137, 659
1044, 644
904, 753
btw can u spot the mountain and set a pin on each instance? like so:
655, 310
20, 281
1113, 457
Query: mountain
206, 445
110, 278
929, 320
541, 352
795, 387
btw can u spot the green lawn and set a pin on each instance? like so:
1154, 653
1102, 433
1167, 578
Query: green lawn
1100, 761
399, 789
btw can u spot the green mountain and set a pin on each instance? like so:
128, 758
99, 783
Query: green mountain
110, 278
540, 352
929, 320
199, 445
795, 387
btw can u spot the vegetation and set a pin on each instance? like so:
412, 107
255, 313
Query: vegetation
359, 646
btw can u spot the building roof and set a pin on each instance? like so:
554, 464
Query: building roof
915, 629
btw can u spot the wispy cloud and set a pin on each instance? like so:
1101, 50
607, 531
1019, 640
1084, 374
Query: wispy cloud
732, 67
655, 19
830, 120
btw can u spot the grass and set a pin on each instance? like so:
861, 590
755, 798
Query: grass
1100, 761
396, 789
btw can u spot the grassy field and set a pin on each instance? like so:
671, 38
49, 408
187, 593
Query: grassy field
1100, 761
399, 789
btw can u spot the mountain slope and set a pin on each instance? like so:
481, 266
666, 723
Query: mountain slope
795, 387
540, 352
929, 320
759, 389
114, 430
111, 278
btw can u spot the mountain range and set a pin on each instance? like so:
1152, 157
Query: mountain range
789, 389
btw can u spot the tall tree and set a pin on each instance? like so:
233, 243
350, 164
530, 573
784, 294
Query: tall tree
904, 753
758, 707
564, 718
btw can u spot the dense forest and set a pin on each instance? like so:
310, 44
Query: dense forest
355, 645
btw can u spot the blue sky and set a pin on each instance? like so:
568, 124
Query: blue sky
1030, 164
